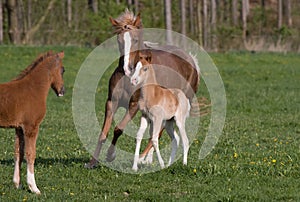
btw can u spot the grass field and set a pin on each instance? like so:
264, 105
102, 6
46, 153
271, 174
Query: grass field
256, 159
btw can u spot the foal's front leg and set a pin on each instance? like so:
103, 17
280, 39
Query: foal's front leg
19, 155
139, 137
30, 138
147, 156
156, 125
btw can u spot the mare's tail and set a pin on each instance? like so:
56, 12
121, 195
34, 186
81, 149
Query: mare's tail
199, 106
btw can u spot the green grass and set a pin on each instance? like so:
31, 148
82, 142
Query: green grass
256, 159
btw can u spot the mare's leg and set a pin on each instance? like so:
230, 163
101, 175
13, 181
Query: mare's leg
130, 113
156, 124
175, 140
19, 156
110, 109
185, 141
139, 136
30, 137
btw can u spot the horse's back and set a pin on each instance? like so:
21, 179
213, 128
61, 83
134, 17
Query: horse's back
174, 71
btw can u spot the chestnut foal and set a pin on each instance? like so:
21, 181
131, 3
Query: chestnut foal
161, 107
23, 107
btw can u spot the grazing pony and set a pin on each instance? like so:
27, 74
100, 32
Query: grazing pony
161, 107
23, 107
128, 28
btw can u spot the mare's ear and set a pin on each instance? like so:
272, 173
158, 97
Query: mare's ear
61, 54
138, 22
113, 21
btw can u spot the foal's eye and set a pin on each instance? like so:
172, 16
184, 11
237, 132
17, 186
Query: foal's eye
62, 70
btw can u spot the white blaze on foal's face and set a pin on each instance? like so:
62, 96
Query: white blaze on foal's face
127, 41
135, 79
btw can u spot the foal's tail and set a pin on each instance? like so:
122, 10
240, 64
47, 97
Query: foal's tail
199, 106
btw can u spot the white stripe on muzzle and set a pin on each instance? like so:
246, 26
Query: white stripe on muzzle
127, 41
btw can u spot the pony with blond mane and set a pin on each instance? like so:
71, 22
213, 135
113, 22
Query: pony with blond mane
23, 107
181, 66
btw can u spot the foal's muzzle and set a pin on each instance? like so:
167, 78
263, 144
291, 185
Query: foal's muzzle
61, 92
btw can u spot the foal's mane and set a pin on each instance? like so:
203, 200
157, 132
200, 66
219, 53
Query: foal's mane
37, 61
125, 22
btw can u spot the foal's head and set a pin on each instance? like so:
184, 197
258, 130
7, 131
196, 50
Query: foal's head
128, 27
142, 67
56, 74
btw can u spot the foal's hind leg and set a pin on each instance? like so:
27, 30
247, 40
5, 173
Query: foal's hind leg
175, 140
19, 156
30, 153
130, 113
185, 141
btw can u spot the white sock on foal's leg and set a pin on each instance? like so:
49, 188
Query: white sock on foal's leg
16, 178
31, 182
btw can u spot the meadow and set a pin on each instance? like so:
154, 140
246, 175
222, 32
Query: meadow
257, 158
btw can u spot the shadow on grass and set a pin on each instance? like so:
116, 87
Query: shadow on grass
50, 161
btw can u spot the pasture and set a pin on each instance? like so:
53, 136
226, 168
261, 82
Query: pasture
257, 158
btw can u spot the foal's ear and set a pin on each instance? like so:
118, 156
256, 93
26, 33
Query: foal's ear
138, 22
61, 54
113, 21
148, 56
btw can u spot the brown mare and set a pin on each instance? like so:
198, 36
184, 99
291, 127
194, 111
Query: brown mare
160, 107
23, 107
129, 34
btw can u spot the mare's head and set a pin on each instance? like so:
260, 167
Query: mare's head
142, 67
56, 74
129, 34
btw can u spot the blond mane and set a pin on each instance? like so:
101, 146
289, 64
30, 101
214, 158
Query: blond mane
125, 22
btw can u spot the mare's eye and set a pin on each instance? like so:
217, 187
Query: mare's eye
135, 40
145, 69
62, 70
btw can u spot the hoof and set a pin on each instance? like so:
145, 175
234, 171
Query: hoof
35, 190
111, 153
92, 164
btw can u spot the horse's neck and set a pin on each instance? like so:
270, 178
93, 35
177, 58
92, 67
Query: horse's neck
149, 85
37, 80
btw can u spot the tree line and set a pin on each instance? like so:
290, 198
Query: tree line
217, 25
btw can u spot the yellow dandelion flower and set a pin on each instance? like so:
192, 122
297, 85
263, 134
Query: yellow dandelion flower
257, 144
235, 155
195, 171
72, 194
273, 160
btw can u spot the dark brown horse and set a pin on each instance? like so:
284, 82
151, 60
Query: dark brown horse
23, 107
122, 94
